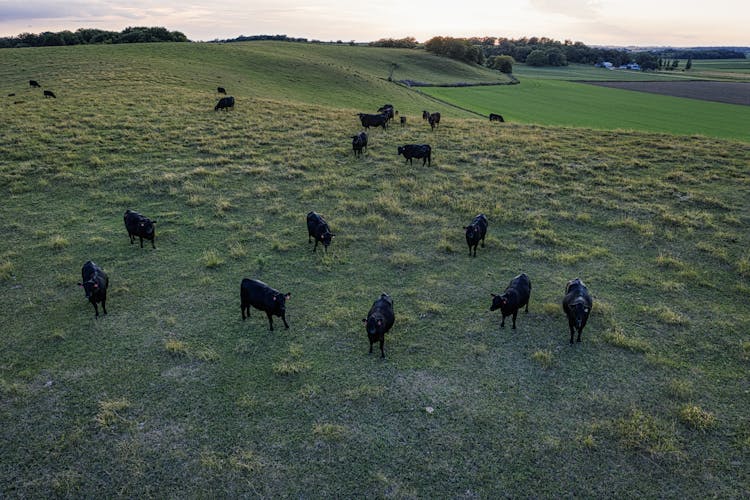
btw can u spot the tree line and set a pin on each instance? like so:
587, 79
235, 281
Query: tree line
500, 53
89, 36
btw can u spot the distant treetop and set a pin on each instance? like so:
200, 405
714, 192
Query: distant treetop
87, 36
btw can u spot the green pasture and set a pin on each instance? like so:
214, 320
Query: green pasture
173, 395
570, 104
577, 72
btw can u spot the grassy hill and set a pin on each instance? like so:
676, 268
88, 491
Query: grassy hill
172, 394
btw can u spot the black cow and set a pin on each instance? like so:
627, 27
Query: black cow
140, 226
34, 83
425, 115
261, 296
577, 306
95, 283
513, 298
411, 151
50, 94
225, 103
434, 120
221, 90
318, 228
387, 110
12, 95
380, 120
359, 143
403, 121
496, 118
476, 231
379, 320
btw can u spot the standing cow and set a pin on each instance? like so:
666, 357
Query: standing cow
379, 320
513, 298
261, 296
318, 228
359, 143
476, 231
225, 103
410, 151
494, 117
577, 306
434, 120
140, 226
95, 282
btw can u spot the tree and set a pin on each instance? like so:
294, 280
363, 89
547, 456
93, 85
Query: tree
646, 60
689, 63
537, 57
504, 64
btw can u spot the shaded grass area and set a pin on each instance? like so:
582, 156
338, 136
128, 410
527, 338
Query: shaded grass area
173, 394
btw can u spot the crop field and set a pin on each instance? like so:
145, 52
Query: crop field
726, 92
171, 394
572, 104
588, 72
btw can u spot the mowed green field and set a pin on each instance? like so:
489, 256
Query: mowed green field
571, 104
173, 395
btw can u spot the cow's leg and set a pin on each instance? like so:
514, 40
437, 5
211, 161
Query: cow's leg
131, 238
579, 335
283, 318
141, 238
270, 321
515, 313
483, 241
570, 324
316, 245
502, 321
527, 307
382, 352
104, 304
153, 243
96, 309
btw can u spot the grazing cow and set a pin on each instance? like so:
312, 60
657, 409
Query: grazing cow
140, 226
513, 298
410, 151
387, 110
34, 83
95, 283
318, 228
476, 231
11, 95
403, 121
577, 306
221, 90
359, 143
225, 103
379, 320
50, 94
425, 115
434, 120
496, 118
261, 296
368, 121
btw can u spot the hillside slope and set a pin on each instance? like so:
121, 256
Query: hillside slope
172, 394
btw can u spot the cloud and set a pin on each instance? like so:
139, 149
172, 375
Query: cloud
584, 9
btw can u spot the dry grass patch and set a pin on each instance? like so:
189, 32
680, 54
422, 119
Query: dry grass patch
697, 418
6, 270
329, 432
109, 412
211, 259
643, 432
544, 357
176, 347
617, 338
680, 389
58, 242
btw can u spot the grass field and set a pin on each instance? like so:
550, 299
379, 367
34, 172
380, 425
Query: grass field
173, 395
571, 104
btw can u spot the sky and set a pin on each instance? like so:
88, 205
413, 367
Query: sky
681, 23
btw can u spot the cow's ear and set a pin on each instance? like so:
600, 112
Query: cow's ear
493, 294
333, 235
586, 309
274, 297
364, 320
80, 284
288, 296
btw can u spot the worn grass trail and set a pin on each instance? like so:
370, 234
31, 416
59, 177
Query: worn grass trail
173, 394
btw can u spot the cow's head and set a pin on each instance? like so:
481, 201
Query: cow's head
374, 324
498, 301
146, 226
279, 300
472, 231
581, 314
401, 150
89, 287
326, 238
